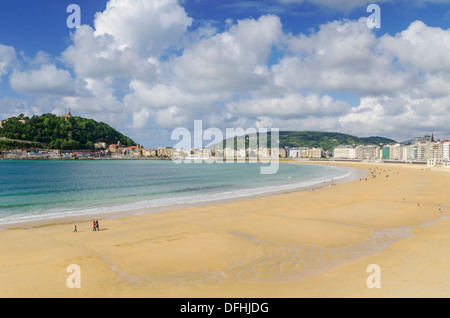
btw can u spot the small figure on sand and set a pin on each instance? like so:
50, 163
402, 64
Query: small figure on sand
439, 207
75, 228
96, 225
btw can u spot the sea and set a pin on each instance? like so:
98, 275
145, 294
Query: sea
40, 190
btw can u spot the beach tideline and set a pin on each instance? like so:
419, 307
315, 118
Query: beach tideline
299, 244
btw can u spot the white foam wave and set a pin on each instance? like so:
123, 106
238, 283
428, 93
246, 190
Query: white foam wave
58, 213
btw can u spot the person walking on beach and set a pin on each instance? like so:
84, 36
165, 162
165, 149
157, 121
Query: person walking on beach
96, 225
93, 226
75, 228
439, 208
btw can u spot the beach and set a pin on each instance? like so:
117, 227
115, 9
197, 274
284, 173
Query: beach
296, 244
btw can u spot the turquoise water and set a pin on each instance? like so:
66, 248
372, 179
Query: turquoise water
39, 190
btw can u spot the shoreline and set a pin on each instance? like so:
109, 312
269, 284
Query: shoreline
354, 174
295, 244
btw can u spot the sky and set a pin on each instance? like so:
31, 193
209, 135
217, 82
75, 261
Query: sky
148, 67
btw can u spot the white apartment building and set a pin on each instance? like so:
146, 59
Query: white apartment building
445, 149
315, 153
305, 152
423, 150
395, 152
371, 152
293, 153
405, 153
344, 152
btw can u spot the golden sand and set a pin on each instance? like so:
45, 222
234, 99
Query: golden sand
299, 244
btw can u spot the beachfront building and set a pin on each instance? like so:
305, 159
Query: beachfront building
164, 152
134, 151
344, 152
405, 152
293, 153
423, 150
113, 148
316, 153
282, 152
146, 152
445, 149
413, 152
385, 152
305, 152
436, 150
370, 152
394, 152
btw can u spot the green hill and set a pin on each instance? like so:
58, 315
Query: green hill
324, 140
59, 132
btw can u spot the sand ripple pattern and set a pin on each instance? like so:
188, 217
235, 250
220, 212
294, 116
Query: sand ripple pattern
283, 261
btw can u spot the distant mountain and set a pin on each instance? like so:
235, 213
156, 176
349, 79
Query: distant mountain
60, 132
325, 140
409, 141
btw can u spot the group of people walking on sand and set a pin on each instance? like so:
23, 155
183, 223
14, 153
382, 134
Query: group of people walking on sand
95, 226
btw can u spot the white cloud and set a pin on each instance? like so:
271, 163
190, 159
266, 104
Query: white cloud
147, 26
399, 116
172, 117
164, 95
45, 80
294, 105
420, 47
11, 107
341, 56
235, 60
8, 59
101, 56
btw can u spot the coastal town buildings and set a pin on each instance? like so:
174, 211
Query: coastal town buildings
420, 150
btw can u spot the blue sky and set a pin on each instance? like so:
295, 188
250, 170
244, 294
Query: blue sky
148, 67
33, 25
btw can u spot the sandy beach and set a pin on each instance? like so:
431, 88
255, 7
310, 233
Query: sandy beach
299, 244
